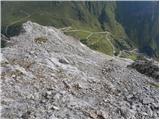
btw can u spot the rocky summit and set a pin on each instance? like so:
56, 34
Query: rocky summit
46, 74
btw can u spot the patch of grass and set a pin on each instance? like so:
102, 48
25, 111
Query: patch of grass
78, 34
156, 85
96, 41
104, 46
100, 43
84, 41
132, 56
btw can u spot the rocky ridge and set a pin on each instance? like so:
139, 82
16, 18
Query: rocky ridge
147, 67
46, 74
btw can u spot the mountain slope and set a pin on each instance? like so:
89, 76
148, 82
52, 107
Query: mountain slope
141, 24
132, 24
46, 74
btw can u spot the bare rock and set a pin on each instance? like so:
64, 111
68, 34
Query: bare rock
47, 74
64, 61
148, 100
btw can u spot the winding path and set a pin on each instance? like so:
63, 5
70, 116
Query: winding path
114, 51
67, 29
130, 51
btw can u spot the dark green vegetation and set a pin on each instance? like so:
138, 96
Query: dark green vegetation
3, 44
141, 24
154, 85
132, 24
130, 55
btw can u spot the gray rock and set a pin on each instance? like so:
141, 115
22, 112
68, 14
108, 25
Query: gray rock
62, 78
64, 61
148, 100
156, 105
55, 107
49, 93
26, 115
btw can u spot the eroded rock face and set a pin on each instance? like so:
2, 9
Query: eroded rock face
147, 67
61, 78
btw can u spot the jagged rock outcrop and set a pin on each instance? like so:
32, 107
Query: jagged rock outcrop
147, 67
46, 74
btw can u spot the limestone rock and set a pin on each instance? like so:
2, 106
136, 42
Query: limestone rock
59, 77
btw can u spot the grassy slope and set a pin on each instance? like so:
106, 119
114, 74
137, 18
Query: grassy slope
59, 15
92, 16
47, 13
141, 24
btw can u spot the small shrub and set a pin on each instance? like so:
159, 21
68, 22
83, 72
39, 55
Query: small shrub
84, 41
3, 44
40, 40
155, 85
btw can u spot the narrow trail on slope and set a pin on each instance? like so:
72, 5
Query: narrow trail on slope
67, 29
14, 22
78, 31
130, 51
111, 45
89, 36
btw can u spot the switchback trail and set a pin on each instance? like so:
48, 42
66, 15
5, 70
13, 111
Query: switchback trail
67, 29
